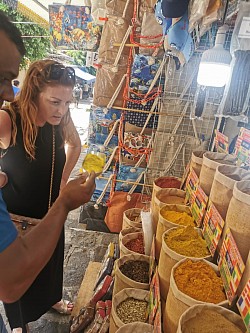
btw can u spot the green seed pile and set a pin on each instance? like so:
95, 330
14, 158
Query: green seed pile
132, 310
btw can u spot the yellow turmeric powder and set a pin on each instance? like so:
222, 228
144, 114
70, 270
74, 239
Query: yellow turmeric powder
187, 241
198, 280
181, 218
93, 163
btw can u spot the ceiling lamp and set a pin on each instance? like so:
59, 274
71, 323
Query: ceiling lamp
214, 69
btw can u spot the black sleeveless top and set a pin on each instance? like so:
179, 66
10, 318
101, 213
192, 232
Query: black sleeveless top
27, 191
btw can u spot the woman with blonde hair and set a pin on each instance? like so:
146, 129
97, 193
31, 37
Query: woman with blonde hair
39, 147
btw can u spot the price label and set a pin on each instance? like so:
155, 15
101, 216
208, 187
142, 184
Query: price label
221, 142
198, 205
212, 227
243, 305
242, 147
231, 265
191, 186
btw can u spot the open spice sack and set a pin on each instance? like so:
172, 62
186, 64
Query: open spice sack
192, 282
209, 318
237, 218
128, 306
132, 243
178, 244
171, 216
163, 197
131, 271
222, 187
136, 327
209, 164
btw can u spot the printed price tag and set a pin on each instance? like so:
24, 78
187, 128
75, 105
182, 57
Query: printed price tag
243, 305
231, 265
198, 205
154, 297
212, 227
242, 147
191, 185
221, 142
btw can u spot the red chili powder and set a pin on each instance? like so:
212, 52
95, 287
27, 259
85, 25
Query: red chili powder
136, 245
168, 182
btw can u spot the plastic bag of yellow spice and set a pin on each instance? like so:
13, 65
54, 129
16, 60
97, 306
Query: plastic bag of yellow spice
94, 163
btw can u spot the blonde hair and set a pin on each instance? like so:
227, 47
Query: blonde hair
37, 78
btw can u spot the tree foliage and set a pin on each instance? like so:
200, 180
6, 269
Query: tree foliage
36, 47
80, 60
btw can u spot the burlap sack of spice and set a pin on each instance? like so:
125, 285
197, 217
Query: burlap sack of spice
165, 182
127, 238
196, 310
127, 231
238, 219
222, 188
178, 302
106, 84
122, 8
163, 197
168, 258
113, 32
132, 218
163, 225
122, 281
196, 161
209, 164
136, 327
139, 294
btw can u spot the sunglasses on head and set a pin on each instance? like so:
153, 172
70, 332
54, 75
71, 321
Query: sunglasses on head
57, 72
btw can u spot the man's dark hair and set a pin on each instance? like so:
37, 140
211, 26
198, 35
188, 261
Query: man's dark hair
12, 32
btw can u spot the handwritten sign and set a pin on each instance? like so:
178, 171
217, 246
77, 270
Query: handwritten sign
212, 227
198, 205
243, 305
231, 265
191, 186
242, 147
221, 142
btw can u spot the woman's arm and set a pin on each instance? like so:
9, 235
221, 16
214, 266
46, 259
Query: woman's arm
73, 150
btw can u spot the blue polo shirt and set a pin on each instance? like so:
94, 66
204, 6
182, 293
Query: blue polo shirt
8, 232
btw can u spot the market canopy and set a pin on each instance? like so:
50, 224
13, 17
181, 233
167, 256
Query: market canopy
83, 75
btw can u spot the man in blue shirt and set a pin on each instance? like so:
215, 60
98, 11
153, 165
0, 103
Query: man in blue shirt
22, 258
15, 87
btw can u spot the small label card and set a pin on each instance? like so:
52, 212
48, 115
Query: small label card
221, 142
231, 265
191, 185
243, 305
212, 227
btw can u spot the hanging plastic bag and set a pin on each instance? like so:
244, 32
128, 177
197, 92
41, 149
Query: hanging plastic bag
147, 227
240, 38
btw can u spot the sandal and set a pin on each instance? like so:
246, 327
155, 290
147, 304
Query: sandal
63, 307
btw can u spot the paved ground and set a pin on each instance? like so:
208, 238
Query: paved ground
81, 247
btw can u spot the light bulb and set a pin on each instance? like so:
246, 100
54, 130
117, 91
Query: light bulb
212, 74
214, 69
